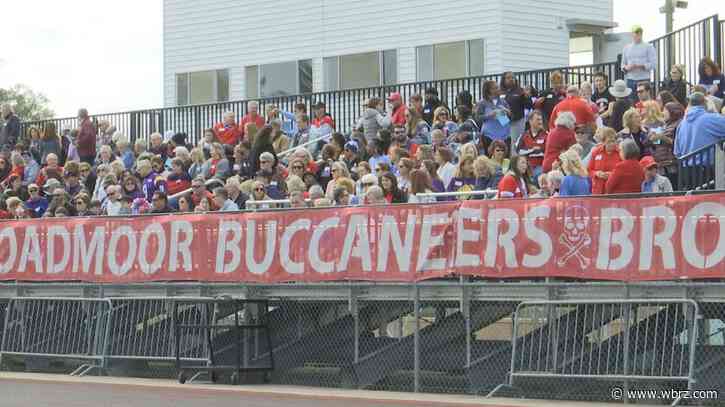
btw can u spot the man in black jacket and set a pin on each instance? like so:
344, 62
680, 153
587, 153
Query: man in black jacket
10, 133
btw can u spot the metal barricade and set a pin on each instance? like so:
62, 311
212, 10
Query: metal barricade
142, 328
59, 328
616, 340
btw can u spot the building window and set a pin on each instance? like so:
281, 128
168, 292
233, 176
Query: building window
195, 88
360, 70
450, 60
279, 79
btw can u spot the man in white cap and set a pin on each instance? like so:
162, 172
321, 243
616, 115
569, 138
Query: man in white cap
639, 59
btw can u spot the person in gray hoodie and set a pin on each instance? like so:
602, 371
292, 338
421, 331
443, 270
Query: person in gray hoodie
372, 120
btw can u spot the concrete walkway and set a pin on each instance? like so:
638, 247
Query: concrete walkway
24, 389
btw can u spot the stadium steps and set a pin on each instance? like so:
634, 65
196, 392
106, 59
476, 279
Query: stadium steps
492, 368
374, 367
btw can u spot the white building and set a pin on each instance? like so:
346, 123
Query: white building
219, 50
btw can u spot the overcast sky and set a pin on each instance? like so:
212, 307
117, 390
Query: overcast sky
107, 55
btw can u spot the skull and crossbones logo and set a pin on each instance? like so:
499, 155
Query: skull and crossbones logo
575, 236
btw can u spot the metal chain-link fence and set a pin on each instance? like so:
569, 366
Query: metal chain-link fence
576, 350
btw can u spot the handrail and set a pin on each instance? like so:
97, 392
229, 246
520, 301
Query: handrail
700, 150
681, 29
305, 144
486, 193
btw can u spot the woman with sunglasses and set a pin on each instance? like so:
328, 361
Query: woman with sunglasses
131, 187
259, 193
80, 203
338, 171
442, 121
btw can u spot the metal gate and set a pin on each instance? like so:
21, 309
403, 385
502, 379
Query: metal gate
616, 340
60, 328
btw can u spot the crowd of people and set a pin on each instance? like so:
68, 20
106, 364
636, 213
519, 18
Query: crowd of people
516, 142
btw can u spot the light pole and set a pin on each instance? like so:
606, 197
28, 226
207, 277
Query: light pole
669, 10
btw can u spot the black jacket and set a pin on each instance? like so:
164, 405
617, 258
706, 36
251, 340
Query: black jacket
518, 102
678, 89
429, 108
10, 133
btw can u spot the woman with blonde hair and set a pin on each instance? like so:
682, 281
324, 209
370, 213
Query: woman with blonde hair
416, 128
485, 172
338, 169
197, 162
576, 181
633, 129
676, 84
464, 179
468, 150
652, 116
442, 121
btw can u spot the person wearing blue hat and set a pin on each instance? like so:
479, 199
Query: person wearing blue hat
350, 157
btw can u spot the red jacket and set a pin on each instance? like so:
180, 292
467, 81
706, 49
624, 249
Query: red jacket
626, 177
398, 117
258, 121
581, 109
558, 141
533, 147
86, 142
601, 160
510, 187
227, 134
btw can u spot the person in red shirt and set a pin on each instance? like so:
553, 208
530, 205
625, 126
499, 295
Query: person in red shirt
533, 141
559, 139
517, 182
86, 142
252, 116
603, 158
628, 175
227, 132
398, 110
179, 179
574, 103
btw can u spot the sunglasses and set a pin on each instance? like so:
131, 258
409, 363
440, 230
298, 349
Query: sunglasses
32, 190
259, 189
297, 167
80, 203
499, 151
368, 184
378, 169
265, 161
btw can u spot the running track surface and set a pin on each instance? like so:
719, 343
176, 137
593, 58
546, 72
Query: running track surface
26, 390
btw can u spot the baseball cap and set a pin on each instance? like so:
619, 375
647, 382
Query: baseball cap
352, 146
647, 162
319, 104
394, 96
50, 185
637, 29
431, 91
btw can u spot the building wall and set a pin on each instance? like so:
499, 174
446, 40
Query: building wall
232, 34
535, 34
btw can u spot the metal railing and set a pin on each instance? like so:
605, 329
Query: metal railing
614, 340
703, 168
345, 106
687, 46
59, 328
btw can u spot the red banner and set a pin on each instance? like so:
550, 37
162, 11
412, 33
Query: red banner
588, 238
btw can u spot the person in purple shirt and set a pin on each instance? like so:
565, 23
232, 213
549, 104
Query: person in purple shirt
152, 182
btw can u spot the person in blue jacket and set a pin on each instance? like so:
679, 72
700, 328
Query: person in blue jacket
698, 129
